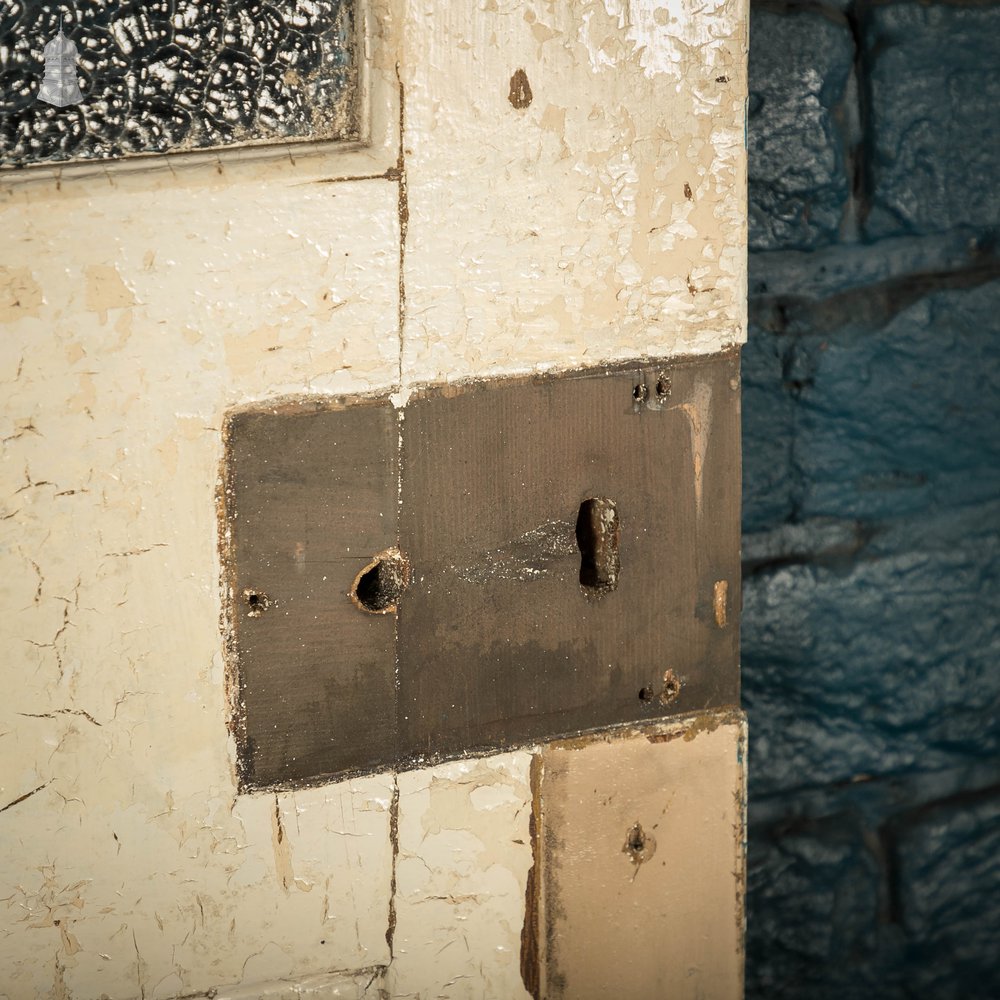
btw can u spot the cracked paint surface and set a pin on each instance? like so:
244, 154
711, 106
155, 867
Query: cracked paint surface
603, 220
464, 855
133, 869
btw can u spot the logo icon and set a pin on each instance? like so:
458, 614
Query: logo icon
60, 85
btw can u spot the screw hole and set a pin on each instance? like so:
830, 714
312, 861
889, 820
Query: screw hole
671, 688
257, 602
639, 845
640, 392
666, 695
378, 586
663, 385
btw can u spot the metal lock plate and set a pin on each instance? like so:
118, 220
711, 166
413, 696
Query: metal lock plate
310, 495
503, 562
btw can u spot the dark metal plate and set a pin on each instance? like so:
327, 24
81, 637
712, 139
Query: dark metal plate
310, 496
500, 639
541, 556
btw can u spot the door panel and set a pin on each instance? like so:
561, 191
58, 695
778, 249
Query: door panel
142, 301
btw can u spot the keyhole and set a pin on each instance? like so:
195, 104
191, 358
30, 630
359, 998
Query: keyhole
597, 537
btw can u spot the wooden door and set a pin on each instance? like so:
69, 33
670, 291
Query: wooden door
524, 187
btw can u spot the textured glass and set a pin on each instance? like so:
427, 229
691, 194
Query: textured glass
173, 75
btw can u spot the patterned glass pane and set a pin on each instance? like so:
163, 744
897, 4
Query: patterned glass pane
171, 75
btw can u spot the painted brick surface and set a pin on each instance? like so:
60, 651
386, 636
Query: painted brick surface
768, 431
821, 873
893, 413
871, 655
871, 517
799, 67
942, 854
935, 116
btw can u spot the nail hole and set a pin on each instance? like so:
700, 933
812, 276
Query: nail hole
667, 694
671, 688
639, 845
257, 602
597, 536
378, 586
640, 392
663, 385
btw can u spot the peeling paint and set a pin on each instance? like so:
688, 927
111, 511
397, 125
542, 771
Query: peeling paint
698, 415
105, 290
664, 34
20, 294
467, 239
464, 855
561, 234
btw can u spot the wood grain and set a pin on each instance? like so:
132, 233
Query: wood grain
312, 497
499, 643
497, 640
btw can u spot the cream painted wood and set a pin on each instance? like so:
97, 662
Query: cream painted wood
642, 862
464, 855
138, 302
161, 878
607, 219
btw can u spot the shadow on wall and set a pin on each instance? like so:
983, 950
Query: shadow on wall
871, 635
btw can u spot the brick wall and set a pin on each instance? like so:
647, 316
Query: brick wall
871, 638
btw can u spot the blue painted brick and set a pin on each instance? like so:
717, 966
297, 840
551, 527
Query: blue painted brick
904, 417
934, 128
872, 648
949, 899
799, 66
871, 630
812, 275
811, 923
768, 428
880, 662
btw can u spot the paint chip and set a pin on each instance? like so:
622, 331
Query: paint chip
520, 95
720, 593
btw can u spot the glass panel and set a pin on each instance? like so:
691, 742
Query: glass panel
172, 75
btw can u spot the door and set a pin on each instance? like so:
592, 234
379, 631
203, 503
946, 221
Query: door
450, 193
